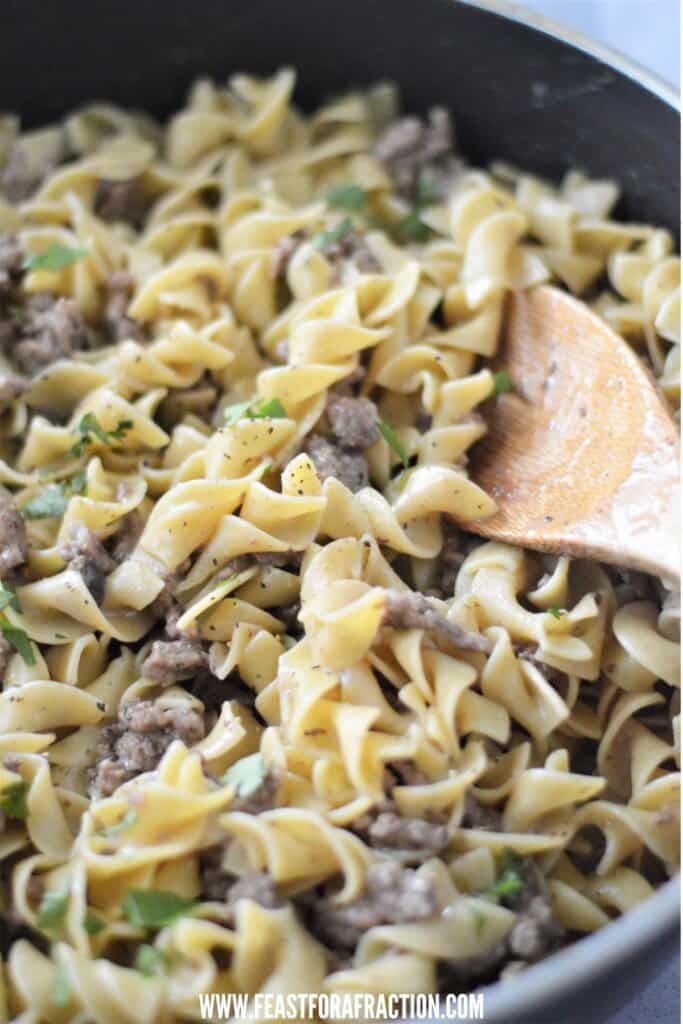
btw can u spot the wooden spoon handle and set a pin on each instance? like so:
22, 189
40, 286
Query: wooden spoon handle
583, 458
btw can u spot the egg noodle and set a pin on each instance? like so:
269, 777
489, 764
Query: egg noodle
271, 721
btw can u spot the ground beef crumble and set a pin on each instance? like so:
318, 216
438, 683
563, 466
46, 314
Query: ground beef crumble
117, 324
330, 460
385, 828
410, 610
392, 895
411, 144
354, 421
169, 661
121, 201
136, 742
85, 553
11, 263
50, 330
13, 543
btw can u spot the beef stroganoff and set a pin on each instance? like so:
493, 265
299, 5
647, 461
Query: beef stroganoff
271, 719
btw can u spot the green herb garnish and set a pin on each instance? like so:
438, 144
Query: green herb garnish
413, 229
61, 987
52, 910
149, 960
502, 383
93, 924
154, 908
8, 597
346, 197
390, 436
258, 410
19, 640
333, 235
89, 427
510, 881
13, 800
55, 257
556, 613
247, 775
49, 504
52, 502
427, 194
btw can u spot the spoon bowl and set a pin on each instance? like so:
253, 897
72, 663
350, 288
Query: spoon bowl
583, 456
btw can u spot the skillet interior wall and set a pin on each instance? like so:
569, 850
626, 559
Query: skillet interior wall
516, 94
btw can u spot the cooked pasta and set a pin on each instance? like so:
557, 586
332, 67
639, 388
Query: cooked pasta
271, 719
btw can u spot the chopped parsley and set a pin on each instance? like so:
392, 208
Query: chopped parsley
52, 910
502, 383
149, 960
13, 634
258, 410
427, 193
556, 613
89, 427
412, 228
154, 908
93, 924
346, 197
61, 987
247, 775
13, 800
8, 597
510, 881
55, 257
49, 504
333, 235
390, 436
19, 640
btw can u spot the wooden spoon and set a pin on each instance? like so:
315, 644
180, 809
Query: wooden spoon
583, 457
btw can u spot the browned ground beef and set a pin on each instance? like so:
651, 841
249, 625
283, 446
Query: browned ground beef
19, 178
264, 798
451, 557
331, 460
172, 660
390, 830
85, 553
11, 263
127, 535
11, 386
351, 246
136, 742
117, 324
284, 250
480, 816
409, 610
392, 895
13, 543
218, 884
48, 333
354, 421
121, 201
412, 143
